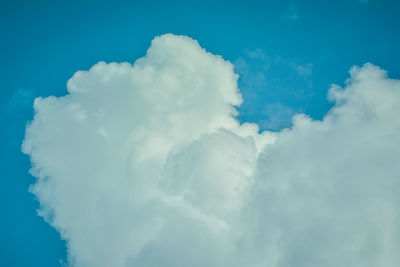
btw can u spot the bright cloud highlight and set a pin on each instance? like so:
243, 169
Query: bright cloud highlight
147, 165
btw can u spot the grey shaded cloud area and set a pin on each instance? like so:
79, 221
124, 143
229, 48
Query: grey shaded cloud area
145, 165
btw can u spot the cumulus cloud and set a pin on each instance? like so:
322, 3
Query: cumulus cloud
147, 165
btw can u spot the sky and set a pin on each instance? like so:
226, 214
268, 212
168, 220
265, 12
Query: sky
287, 55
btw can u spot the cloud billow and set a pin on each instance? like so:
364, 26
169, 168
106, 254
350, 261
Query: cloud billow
147, 165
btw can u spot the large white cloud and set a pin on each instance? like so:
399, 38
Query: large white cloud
146, 165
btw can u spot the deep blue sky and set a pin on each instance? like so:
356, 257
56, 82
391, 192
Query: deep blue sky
287, 52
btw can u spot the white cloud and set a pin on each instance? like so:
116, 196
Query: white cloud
146, 165
329, 190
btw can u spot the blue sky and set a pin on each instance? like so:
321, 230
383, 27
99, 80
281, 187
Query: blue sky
288, 53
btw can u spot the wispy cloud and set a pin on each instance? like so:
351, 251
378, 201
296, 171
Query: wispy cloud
270, 80
292, 13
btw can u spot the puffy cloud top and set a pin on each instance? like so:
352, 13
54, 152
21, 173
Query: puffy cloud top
146, 165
